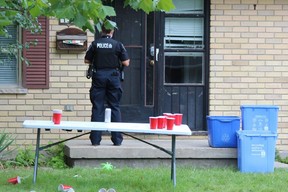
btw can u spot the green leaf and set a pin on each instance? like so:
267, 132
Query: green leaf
3, 4
88, 26
165, 5
107, 166
67, 12
98, 26
5, 141
5, 22
110, 24
35, 11
107, 10
24, 4
84, 6
79, 20
146, 5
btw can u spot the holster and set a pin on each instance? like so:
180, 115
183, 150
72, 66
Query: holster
121, 68
89, 72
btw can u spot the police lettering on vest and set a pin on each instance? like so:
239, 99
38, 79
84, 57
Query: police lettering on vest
104, 45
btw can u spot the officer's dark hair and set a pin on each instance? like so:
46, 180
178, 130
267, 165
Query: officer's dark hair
104, 30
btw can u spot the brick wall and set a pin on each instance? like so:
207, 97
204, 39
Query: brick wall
68, 86
248, 63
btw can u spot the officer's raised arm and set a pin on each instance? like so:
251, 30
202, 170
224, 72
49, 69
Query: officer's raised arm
124, 56
87, 61
89, 55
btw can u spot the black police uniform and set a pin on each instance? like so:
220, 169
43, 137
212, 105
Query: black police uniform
105, 53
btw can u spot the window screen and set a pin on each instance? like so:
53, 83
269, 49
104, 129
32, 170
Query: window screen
183, 32
8, 63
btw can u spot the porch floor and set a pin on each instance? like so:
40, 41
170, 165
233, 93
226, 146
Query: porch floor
133, 153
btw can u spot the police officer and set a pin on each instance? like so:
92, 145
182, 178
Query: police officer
105, 55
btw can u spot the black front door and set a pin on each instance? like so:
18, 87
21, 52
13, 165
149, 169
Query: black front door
135, 102
182, 62
169, 64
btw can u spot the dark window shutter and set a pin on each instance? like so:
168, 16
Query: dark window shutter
36, 75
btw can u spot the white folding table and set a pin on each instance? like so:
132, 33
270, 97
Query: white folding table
143, 128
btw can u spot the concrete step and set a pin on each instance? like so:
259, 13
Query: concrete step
133, 153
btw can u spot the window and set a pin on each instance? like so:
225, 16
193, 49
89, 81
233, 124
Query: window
184, 43
15, 76
9, 68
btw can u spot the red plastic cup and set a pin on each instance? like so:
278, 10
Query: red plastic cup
65, 188
161, 122
57, 115
170, 115
178, 118
167, 114
14, 180
170, 123
153, 122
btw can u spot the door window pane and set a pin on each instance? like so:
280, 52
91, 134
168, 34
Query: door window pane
183, 33
184, 68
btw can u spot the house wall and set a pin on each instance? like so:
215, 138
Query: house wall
248, 65
248, 61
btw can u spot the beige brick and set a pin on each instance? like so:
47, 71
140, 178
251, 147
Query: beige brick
7, 108
76, 85
59, 62
51, 102
42, 96
8, 119
266, 12
68, 79
257, 18
15, 102
240, 6
59, 85
59, 96
274, 7
16, 113
58, 73
223, 6
68, 68
248, 12
77, 73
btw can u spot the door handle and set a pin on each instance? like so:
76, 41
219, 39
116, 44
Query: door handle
156, 55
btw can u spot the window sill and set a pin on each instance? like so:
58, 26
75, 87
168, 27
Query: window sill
13, 90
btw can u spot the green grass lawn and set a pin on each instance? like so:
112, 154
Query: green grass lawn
145, 180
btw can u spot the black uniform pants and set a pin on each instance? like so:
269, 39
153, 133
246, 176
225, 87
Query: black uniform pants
106, 87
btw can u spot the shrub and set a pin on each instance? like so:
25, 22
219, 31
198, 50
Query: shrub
5, 141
